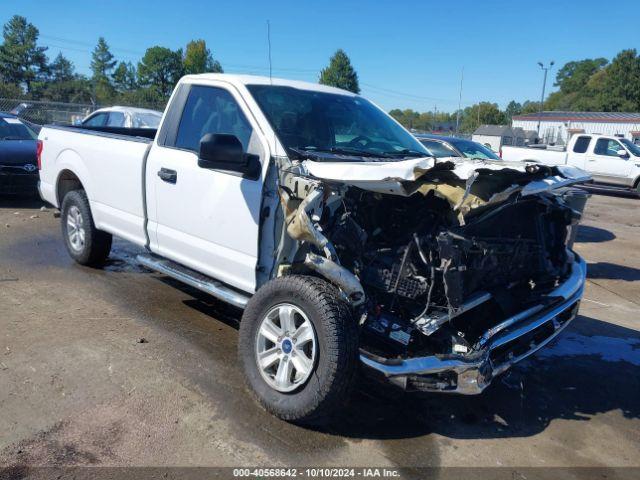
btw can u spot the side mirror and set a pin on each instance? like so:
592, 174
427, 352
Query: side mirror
622, 153
224, 152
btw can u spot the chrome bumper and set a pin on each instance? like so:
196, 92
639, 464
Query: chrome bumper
499, 348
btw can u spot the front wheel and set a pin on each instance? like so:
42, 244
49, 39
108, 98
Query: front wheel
298, 346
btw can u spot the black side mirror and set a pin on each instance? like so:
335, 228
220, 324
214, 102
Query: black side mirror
224, 152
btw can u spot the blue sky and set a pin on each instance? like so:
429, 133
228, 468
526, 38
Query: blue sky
407, 54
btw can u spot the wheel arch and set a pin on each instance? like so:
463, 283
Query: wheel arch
66, 182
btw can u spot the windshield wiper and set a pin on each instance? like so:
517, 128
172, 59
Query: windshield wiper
407, 151
352, 152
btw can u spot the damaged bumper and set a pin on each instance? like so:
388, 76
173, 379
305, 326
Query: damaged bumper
499, 348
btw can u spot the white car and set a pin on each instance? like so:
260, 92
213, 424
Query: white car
345, 242
126, 117
610, 160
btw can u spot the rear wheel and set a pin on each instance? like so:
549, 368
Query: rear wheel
298, 346
85, 243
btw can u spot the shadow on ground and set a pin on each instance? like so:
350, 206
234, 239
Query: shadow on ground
612, 271
588, 234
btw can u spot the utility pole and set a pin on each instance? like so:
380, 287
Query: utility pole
459, 102
544, 85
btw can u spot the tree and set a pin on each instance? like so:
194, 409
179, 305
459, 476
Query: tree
160, 68
61, 69
21, 60
124, 77
340, 73
483, 113
198, 59
102, 61
620, 85
513, 108
573, 76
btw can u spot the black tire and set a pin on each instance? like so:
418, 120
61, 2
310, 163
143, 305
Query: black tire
330, 384
97, 244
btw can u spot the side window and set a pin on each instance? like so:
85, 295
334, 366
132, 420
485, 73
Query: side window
210, 110
607, 147
116, 119
581, 145
98, 120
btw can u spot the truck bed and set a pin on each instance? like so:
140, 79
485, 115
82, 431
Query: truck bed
546, 156
109, 162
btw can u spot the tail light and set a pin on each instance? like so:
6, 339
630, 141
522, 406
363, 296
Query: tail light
39, 154
500, 152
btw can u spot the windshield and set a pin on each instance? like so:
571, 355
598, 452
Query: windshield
632, 147
325, 122
474, 150
13, 129
439, 149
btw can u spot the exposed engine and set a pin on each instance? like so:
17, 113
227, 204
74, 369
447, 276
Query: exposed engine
432, 279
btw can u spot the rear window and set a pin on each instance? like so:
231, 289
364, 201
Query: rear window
581, 145
14, 129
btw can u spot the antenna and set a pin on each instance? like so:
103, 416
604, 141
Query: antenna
459, 102
269, 43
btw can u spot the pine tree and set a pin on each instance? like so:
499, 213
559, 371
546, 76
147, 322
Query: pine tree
340, 73
21, 60
102, 61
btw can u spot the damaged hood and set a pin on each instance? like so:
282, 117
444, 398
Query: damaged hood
465, 183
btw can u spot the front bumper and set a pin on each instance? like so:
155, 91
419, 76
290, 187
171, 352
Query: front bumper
499, 348
14, 180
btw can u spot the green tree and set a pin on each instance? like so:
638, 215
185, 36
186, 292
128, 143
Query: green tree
340, 73
620, 85
160, 68
102, 64
102, 61
61, 69
483, 113
573, 76
513, 108
22, 61
198, 59
124, 77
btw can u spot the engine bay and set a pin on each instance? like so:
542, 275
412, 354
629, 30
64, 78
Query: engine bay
430, 270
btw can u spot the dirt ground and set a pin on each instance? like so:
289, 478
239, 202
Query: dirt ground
125, 367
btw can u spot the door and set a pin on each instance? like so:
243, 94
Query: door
206, 219
606, 165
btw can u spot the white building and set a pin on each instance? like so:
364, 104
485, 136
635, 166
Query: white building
557, 127
495, 136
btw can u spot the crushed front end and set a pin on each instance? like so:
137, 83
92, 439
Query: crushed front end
455, 270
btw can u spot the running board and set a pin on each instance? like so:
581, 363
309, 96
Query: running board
194, 279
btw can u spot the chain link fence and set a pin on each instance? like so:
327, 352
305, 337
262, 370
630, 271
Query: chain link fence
40, 113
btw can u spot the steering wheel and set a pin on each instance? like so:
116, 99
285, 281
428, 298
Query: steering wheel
360, 140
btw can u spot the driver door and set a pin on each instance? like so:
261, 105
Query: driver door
606, 165
206, 219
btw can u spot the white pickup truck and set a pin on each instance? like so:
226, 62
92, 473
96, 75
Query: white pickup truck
348, 247
610, 160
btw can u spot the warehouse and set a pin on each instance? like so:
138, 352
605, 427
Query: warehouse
557, 127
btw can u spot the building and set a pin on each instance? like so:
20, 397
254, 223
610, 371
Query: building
495, 136
557, 127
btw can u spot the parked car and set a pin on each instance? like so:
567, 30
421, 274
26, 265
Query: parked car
441, 147
126, 117
18, 159
610, 160
345, 242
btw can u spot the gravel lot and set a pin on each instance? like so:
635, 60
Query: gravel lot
124, 367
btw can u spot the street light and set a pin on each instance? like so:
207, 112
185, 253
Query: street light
544, 85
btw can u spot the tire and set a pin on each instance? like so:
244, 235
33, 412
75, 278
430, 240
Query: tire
329, 384
90, 246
